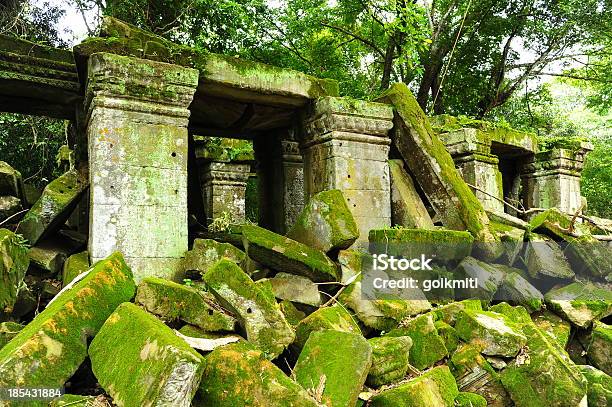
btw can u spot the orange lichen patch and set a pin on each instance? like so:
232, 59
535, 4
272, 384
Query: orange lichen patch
85, 292
113, 319
51, 325
69, 306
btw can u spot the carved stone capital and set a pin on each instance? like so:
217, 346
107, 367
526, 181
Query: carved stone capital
557, 161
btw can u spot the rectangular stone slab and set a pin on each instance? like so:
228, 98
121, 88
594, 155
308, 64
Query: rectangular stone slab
13, 267
139, 361
433, 167
49, 349
407, 208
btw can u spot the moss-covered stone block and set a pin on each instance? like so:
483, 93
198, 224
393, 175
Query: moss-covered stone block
206, 252
74, 400
497, 334
448, 313
15, 262
389, 360
139, 361
511, 239
600, 348
542, 376
466, 399
407, 208
9, 205
554, 326
440, 244
427, 346
256, 309
291, 313
488, 277
49, 349
49, 255
53, 207
580, 303
326, 223
331, 318
295, 289
449, 335
545, 259
173, 301
74, 265
338, 360
516, 289
599, 387
284, 254
517, 314
11, 183
8, 330
235, 375
437, 387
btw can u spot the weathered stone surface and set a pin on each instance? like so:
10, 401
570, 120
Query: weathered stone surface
255, 308
333, 318
237, 375
338, 362
8, 330
287, 255
11, 183
15, 262
53, 207
497, 335
9, 205
295, 289
580, 303
389, 360
448, 313
291, 313
544, 259
326, 223
173, 301
474, 374
465, 399
437, 387
434, 168
511, 240
206, 252
74, 265
50, 255
489, 278
49, 349
600, 348
407, 208
448, 335
446, 245
599, 387
74, 400
224, 185
542, 375
139, 361
556, 328
514, 288
427, 346
517, 314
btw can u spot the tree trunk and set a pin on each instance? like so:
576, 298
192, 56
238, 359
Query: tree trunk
388, 64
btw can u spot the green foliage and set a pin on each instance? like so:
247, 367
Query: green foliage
596, 183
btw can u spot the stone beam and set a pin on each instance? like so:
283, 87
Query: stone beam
36, 79
137, 130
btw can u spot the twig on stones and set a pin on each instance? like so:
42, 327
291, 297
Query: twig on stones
13, 216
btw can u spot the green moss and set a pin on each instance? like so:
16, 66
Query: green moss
389, 360
552, 325
518, 314
599, 388
206, 252
15, 262
8, 330
465, 399
580, 303
448, 334
568, 143
332, 318
601, 346
448, 313
74, 265
291, 313
73, 400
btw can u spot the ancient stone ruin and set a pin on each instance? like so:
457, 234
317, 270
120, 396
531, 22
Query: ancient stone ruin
213, 240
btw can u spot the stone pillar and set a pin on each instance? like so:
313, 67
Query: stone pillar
478, 167
224, 188
552, 178
346, 147
280, 171
137, 120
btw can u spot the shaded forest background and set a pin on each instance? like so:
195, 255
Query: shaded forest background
536, 65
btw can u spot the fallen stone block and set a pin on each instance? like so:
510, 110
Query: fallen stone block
517, 314
337, 362
236, 375
255, 308
49, 255
407, 208
474, 374
580, 303
448, 335
295, 289
465, 399
436, 387
511, 239
173, 301
11, 183
541, 375
389, 360
283, 254
9, 205
48, 351
333, 318
554, 326
514, 288
599, 386
53, 207
15, 262
206, 252
291, 313
8, 330
497, 335
449, 312
139, 361
427, 346
545, 260
74, 265
439, 244
434, 169
326, 223
488, 277
600, 348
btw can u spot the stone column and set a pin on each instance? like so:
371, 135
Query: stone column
224, 188
552, 178
346, 147
280, 171
137, 120
478, 167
